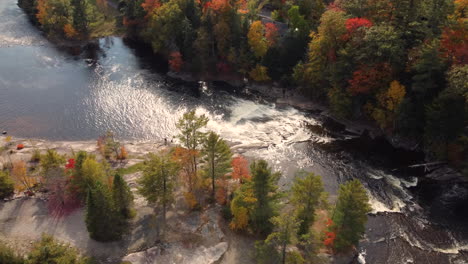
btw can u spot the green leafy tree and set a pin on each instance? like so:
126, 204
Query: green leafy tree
350, 215
48, 250
217, 156
265, 192
7, 186
159, 180
164, 26
307, 194
457, 79
122, 195
92, 172
297, 21
102, 219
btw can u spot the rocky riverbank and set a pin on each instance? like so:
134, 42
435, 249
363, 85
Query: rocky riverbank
188, 237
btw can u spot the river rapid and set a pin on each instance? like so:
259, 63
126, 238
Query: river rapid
69, 94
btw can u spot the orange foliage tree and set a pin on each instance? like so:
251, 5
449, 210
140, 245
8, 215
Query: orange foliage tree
150, 5
184, 157
123, 153
240, 169
69, 31
41, 11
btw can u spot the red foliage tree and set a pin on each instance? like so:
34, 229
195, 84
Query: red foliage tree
271, 33
329, 239
216, 5
454, 44
367, 78
150, 5
175, 61
353, 24
70, 164
63, 198
240, 168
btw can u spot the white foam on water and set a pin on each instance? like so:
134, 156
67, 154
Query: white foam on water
453, 250
362, 257
379, 207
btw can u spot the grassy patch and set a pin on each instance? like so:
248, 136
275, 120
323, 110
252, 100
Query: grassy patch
132, 169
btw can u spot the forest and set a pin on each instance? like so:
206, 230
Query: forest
400, 64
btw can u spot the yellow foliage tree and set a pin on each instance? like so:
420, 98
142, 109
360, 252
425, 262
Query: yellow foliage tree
242, 206
388, 103
257, 40
259, 73
19, 175
393, 97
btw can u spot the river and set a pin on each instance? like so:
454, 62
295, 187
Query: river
53, 93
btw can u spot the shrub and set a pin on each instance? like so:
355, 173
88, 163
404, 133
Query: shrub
36, 155
191, 201
52, 163
7, 186
8, 256
47, 250
19, 146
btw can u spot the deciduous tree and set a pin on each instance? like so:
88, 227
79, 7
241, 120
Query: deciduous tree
256, 38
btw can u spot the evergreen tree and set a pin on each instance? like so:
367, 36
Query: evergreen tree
80, 17
217, 157
285, 233
123, 197
158, 180
191, 136
307, 194
102, 220
350, 215
264, 189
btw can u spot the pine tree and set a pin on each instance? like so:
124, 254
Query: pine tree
102, 220
217, 157
123, 197
264, 189
307, 194
191, 136
285, 233
80, 17
350, 215
158, 180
